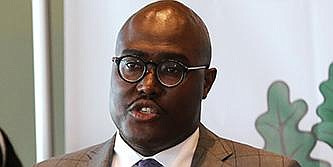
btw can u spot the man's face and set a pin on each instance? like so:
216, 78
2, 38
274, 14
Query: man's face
149, 116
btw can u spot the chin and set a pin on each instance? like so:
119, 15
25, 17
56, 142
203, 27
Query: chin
146, 137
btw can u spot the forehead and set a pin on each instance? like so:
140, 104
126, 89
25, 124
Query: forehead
160, 50
157, 56
163, 22
164, 29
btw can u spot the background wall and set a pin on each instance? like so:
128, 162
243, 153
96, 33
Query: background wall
57, 64
255, 43
16, 76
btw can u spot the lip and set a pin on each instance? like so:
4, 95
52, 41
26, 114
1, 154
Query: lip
136, 110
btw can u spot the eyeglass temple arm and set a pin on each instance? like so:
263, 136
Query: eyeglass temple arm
114, 59
197, 67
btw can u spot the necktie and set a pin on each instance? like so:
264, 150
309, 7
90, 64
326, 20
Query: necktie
148, 163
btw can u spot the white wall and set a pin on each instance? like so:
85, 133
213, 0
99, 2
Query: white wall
255, 42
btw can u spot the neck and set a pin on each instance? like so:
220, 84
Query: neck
152, 148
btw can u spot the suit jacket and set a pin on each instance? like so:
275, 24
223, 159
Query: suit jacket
211, 151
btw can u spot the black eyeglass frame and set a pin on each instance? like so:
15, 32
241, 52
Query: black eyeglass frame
185, 68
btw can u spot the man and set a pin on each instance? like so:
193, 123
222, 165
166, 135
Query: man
160, 75
8, 157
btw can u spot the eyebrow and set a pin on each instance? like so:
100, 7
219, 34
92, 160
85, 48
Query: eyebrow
132, 52
163, 55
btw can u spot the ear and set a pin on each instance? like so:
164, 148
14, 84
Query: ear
210, 75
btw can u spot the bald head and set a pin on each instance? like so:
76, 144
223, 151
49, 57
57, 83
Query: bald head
164, 23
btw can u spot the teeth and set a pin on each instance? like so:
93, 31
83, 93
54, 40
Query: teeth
146, 109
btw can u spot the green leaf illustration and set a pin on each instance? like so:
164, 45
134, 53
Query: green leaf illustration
279, 127
324, 129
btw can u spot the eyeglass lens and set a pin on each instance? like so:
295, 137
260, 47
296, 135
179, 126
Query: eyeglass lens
169, 73
131, 69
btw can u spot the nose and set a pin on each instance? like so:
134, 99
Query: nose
149, 85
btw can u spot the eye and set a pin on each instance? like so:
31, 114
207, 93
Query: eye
133, 66
171, 68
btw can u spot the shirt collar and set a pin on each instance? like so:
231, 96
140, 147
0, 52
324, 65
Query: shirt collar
126, 155
169, 157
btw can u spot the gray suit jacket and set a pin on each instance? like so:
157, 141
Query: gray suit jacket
212, 151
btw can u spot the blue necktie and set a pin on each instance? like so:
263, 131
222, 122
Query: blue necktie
148, 163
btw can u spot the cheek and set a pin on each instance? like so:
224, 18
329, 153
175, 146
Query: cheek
186, 100
120, 94
191, 101
192, 90
119, 88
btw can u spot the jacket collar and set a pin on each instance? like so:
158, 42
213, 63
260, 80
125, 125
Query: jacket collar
210, 149
102, 156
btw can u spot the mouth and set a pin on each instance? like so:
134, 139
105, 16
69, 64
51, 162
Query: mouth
144, 110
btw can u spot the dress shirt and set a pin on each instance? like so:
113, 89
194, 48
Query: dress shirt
178, 155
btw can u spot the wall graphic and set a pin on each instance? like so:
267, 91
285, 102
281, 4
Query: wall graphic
279, 125
324, 129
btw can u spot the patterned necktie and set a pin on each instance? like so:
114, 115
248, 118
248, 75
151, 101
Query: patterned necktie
148, 163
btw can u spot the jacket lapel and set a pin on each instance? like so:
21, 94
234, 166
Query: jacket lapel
210, 151
103, 155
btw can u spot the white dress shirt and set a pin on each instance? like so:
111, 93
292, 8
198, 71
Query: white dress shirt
178, 155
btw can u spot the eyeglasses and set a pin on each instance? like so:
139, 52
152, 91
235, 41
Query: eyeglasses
169, 73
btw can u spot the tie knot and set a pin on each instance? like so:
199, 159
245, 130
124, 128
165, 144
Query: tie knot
148, 163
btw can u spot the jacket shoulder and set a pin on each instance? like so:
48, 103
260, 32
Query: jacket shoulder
245, 155
78, 158
228, 153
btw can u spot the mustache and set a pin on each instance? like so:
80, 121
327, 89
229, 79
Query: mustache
142, 97
145, 97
